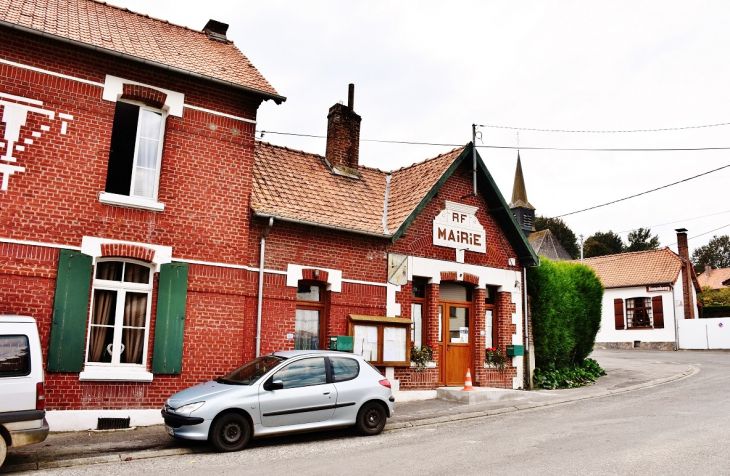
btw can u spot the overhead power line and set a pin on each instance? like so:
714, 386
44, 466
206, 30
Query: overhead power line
677, 221
643, 193
703, 234
511, 147
627, 131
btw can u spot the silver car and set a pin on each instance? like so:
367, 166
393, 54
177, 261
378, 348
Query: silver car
284, 392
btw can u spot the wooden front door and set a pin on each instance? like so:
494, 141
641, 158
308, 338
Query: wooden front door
457, 323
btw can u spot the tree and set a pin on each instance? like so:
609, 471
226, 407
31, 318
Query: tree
641, 240
601, 244
716, 253
561, 232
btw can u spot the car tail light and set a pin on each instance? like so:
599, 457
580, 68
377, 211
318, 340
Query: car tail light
40, 397
385, 382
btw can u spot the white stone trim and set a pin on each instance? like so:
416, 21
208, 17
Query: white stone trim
114, 88
91, 246
366, 283
431, 268
41, 245
392, 308
114, 374
460, 207
51, 73
79, 420
222, 114
130, 202
294, 275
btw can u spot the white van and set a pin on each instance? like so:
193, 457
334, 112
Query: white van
22, 401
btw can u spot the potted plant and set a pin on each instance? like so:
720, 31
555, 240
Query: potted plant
421, 356
495, 358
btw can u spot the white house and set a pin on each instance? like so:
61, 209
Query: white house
647, 294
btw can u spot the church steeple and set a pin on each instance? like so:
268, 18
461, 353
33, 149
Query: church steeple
522, 209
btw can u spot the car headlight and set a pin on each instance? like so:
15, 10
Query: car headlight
189, 408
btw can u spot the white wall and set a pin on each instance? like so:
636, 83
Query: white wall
670, 305
704, 333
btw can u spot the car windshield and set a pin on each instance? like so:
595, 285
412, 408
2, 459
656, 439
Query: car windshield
250, 372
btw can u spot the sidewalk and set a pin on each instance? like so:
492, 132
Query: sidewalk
94, 447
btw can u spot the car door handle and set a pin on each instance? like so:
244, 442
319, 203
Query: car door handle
326, 393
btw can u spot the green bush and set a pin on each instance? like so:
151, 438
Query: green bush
565, 299
584, 373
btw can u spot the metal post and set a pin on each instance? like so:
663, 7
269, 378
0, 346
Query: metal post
261, 286
474, 155
581, 249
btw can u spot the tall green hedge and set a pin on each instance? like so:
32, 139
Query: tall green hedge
565, 299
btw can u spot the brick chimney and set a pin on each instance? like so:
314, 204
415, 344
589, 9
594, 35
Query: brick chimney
708, 270
343, 137
683, 248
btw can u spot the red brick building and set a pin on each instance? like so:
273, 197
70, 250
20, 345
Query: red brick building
138, 213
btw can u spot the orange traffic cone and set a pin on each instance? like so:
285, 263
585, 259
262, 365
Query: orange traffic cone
467, 384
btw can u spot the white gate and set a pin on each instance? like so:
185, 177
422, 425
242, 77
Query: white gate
704, 333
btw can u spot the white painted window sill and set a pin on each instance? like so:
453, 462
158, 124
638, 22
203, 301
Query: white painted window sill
430, 365
131, 202
115, 375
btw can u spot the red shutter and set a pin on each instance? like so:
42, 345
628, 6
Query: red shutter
618, 311
658, 310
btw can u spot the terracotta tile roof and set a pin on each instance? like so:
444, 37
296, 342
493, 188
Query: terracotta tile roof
545, 244
636, 269
97, 24
716, 279
298, 185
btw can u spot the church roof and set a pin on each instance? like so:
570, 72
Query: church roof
545, 244
519, 192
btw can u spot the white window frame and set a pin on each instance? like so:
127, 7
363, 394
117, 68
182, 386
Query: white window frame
115, 370
134, 201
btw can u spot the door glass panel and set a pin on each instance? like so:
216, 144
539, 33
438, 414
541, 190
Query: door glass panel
305, 292
416, 324
306, 330
303, 373
458, 325
441, 320
488, 316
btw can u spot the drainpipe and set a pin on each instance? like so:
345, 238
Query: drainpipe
261, 286
676, 324
474, 156
524, 298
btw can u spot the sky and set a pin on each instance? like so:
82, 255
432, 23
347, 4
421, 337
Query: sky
425, 71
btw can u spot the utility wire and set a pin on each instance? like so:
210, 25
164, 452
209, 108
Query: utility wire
510, 147
677, 221
703, 234
643, 193
629, 131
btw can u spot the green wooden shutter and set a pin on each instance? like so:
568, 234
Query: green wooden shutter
170, 322
70, 312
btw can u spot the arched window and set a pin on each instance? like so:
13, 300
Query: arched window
309, 323
120, 313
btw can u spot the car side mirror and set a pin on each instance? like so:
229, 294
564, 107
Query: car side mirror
276, 385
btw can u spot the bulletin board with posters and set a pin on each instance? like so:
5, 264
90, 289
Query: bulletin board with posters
382, 341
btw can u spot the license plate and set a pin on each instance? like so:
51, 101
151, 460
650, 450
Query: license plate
169, 431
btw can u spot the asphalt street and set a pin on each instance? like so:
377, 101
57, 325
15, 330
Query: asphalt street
677, 428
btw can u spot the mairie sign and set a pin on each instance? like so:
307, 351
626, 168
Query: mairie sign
457, 227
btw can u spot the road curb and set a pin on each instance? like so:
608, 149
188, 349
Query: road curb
147, 454
692, 370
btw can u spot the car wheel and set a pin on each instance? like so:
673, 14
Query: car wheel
3, 450
230, 432
371, 419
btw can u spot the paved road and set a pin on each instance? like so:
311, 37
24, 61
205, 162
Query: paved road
678, 428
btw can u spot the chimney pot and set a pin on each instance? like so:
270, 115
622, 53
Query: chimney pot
351, 97
216, 30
